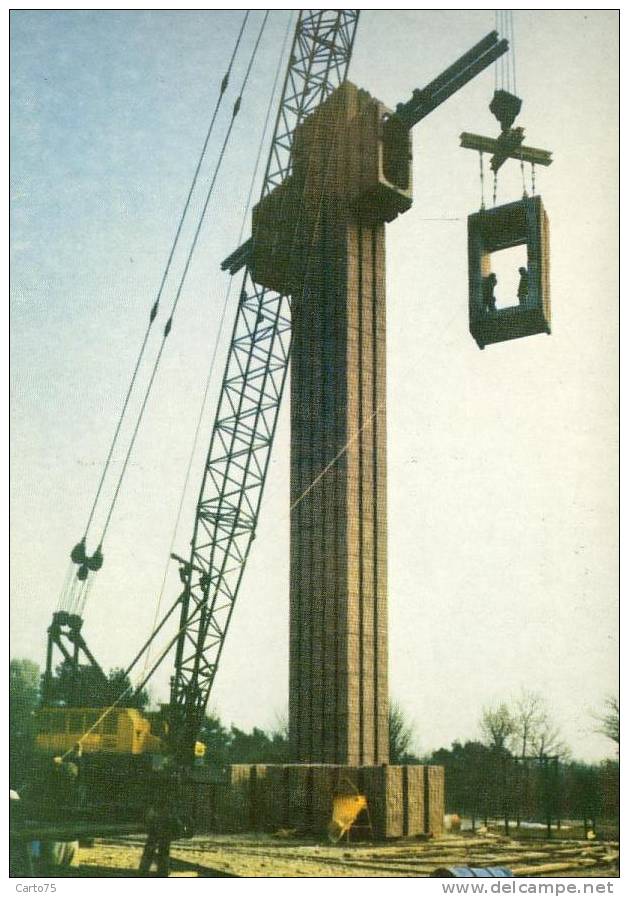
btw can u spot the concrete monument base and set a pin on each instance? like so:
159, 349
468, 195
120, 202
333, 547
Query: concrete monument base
402, 800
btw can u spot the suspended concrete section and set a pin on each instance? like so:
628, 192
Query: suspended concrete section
320, 238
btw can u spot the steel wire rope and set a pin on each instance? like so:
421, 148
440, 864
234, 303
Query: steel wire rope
204, 602
501, 60
80, 598
155, 306
500, 27
168, 327
220, 330
497, 28
66, 586
331, 155
512, 52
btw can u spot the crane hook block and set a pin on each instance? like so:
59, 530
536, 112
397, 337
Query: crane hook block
506, 108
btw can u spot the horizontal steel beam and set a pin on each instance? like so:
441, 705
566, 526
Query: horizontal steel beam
451, 79
239, 258
491, 145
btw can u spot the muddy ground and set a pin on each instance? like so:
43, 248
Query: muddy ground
287, 856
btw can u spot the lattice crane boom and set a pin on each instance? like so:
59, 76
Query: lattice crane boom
253, 382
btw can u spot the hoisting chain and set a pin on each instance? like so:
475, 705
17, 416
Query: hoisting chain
495, 186
482, 181
524, 193
533, 178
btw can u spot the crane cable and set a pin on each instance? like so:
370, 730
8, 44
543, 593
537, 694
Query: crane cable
504, 66
155, 306
168, 326
512, 52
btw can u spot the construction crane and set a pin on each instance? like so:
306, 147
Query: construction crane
237, 462
242, 436
251, 393
253, 383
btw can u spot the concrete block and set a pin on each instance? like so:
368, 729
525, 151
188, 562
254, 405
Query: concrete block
324, 784
231, 800
300, 796
434, 795
414, 800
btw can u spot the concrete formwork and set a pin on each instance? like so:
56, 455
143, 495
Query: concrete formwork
320, 237
403, 801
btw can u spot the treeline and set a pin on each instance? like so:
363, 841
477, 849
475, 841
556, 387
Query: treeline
91, 688
485, 783
521, 769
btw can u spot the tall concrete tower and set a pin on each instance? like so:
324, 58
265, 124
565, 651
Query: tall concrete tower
350, 176
319, 237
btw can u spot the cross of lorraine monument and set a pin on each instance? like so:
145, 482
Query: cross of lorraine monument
320, 237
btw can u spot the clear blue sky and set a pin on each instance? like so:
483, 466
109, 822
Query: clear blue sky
502, 476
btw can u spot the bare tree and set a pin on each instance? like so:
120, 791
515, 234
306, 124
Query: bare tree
535, 733
529, 716
497, 726
609, 721
546, 741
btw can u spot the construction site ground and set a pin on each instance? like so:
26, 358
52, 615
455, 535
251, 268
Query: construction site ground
286, 855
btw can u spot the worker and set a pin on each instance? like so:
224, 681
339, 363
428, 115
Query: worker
60, 793
489, 285
523, 286
164, 825
76, 757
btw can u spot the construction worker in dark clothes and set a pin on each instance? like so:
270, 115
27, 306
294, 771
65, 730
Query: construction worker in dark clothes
489, 300
76, 757
60, 796
164, 825
523, 286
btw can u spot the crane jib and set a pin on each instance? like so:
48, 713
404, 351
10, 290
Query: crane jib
252, 388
